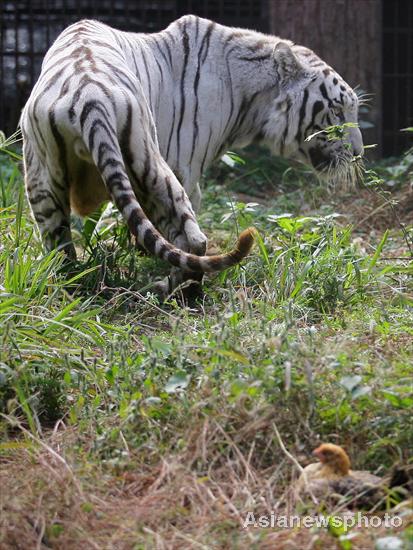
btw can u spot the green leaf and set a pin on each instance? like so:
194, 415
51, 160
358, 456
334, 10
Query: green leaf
336, 131
350, 382
231, 159
359, 391
92, 221
177, 382
338, 529
378, 252
397, 401
87, 507
163, 348
56, 530
153, 400
236, 355
389, 543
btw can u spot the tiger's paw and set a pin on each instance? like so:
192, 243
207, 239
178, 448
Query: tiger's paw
196, 239
187, 292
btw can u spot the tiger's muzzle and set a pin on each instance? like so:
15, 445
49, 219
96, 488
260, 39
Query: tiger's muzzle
329, 156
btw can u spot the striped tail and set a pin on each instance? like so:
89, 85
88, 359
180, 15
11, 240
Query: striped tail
108, 158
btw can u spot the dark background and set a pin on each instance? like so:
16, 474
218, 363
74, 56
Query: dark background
369, 42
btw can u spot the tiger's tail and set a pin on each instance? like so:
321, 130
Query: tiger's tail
106, 153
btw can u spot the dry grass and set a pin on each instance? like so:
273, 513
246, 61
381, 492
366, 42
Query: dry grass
369, 210
197, 497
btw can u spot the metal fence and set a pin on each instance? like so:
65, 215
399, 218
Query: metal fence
28, 27
397, 74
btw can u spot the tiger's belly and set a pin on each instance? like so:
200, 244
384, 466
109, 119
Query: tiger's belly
87, 190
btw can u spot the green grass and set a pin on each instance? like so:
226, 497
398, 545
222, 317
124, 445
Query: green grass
112, 401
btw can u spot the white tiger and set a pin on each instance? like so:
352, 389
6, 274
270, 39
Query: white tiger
136, 118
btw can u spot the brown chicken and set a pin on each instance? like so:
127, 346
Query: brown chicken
332, 479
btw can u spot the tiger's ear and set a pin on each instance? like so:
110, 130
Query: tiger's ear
286, 63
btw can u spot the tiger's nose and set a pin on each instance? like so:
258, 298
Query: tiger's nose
356, 141
358, 150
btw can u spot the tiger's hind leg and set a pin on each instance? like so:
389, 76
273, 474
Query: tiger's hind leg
49, 200
188, 283
175, 219
170, 210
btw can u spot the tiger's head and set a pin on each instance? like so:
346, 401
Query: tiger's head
311, 98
